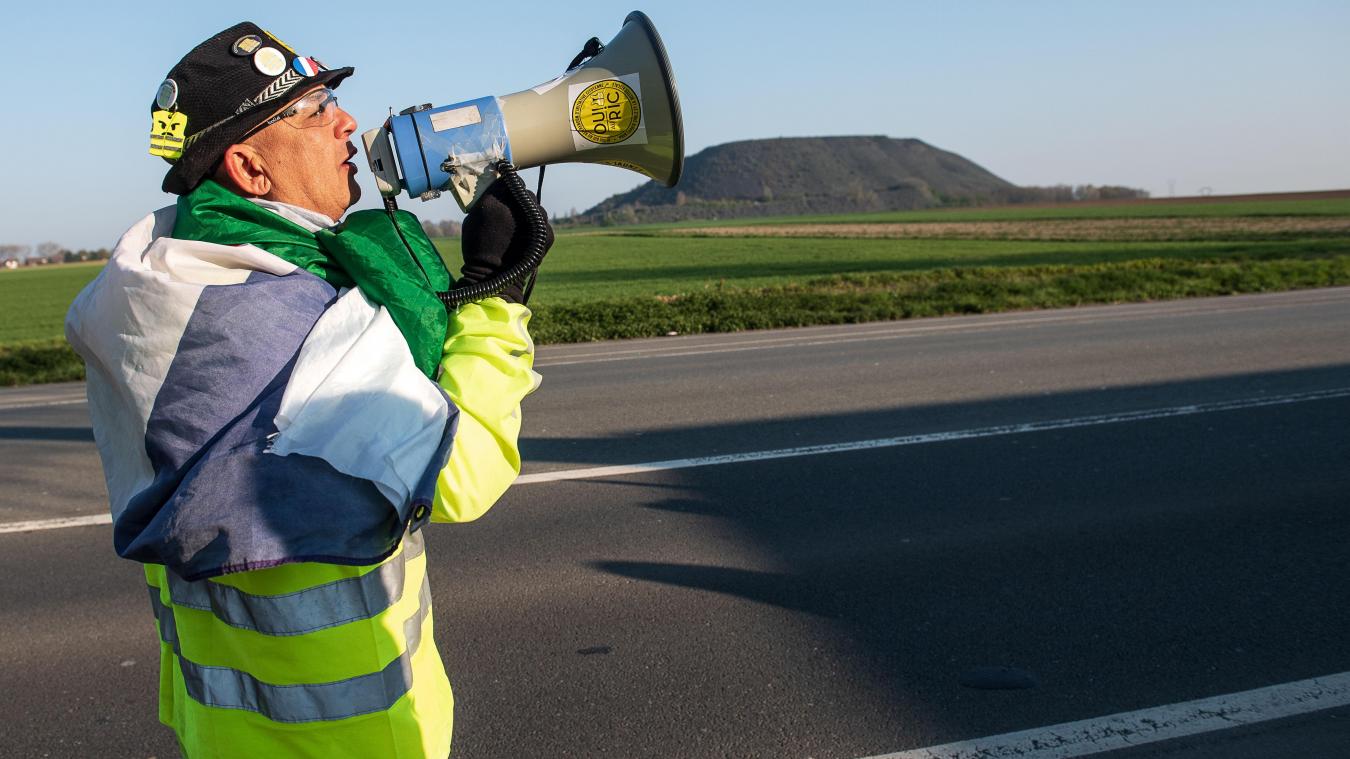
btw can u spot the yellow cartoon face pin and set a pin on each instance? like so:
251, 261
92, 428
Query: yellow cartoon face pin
166, 134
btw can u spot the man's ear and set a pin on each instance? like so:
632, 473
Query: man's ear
245, 171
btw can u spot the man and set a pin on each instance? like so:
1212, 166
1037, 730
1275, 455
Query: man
281, 402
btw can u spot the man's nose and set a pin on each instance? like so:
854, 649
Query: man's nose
345, 124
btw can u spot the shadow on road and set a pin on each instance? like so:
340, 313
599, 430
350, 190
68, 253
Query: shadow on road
58, 434
1138, 563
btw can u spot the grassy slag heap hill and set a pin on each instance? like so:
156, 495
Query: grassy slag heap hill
812, 175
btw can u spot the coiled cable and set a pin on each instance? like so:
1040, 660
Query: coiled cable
536, 226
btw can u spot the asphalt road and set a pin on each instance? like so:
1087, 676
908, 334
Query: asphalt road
822, 605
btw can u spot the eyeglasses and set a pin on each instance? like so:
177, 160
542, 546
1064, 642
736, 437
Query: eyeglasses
317, 109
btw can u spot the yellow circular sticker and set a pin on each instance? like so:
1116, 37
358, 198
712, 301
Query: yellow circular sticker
607, 112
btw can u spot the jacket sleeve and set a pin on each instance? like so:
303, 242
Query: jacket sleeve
486, 369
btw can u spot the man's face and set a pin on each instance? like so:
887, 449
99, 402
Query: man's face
310, 166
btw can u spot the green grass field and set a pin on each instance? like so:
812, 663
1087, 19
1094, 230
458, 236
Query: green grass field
632, 281
33, 300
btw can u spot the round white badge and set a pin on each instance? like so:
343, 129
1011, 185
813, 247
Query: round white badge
269, 61
167, 95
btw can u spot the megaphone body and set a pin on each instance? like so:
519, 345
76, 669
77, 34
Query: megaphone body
619, 108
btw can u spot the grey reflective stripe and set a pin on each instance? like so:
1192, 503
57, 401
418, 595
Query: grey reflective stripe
328, 605
227, 688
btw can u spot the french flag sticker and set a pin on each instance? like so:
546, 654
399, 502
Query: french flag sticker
305, 66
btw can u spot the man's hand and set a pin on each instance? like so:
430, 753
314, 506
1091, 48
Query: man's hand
495, 237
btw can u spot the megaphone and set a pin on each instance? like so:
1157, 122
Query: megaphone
618, 108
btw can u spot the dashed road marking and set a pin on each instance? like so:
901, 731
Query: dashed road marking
41, 404
55, 524
1159, 723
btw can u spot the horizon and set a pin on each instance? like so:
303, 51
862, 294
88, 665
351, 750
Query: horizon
1336, 193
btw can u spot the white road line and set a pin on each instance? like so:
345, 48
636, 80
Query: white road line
55, 524
815, 450
1160, 723
41, 404
932, 437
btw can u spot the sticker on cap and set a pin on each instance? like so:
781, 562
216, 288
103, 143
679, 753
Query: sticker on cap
305, 66
167, 96
244, 46
166, 134
269, 61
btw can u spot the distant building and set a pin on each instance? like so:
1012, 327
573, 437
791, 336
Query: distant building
11, 263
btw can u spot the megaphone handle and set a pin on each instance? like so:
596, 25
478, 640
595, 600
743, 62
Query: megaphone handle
536, 227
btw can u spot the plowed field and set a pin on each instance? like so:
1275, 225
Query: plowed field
1197, 228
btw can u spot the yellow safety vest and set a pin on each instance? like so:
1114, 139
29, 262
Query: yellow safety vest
328, 661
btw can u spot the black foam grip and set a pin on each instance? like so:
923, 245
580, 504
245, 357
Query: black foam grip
536, 226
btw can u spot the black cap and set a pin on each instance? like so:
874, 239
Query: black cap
225, 87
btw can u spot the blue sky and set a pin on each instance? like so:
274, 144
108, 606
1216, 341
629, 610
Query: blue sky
1232, 96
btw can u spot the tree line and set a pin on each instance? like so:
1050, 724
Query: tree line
442, 228
445, 228
16, 254
1063, 193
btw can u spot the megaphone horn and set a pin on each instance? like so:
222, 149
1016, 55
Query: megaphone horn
619, 108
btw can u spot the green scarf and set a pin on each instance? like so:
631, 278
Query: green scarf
366, 251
